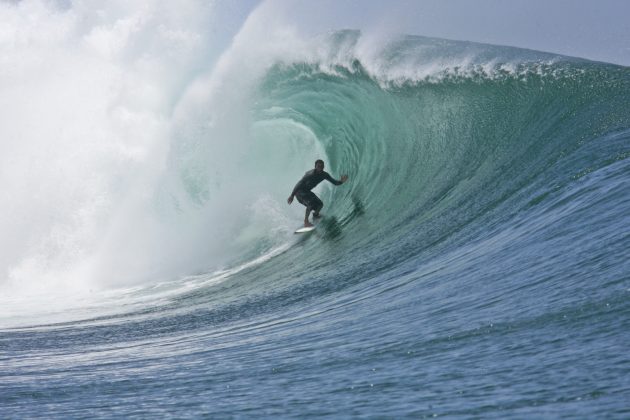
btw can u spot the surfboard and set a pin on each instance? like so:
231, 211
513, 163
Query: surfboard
305, 229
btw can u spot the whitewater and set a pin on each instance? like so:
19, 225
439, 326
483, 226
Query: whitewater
475, 264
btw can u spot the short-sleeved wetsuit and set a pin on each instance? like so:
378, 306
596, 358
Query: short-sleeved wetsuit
302, 190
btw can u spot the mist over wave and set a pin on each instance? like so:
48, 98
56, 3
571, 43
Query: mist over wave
92, 194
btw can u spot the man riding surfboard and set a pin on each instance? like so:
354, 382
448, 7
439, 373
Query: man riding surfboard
306, 197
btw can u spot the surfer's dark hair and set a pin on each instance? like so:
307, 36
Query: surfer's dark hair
318, 161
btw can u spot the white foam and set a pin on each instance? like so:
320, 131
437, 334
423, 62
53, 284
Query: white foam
85, 103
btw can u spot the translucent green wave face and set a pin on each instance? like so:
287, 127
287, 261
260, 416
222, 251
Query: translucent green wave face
434, 153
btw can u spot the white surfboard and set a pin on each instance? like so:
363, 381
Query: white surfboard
305, 229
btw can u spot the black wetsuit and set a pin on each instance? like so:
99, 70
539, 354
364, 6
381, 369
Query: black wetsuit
302, 190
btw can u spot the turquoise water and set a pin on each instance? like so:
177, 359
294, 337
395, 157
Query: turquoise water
475, 265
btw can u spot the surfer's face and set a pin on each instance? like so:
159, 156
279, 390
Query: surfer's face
319, 166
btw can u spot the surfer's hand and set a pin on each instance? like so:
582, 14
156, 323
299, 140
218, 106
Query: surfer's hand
290, 199
344, 178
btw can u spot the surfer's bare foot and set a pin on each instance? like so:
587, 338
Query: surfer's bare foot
308, 224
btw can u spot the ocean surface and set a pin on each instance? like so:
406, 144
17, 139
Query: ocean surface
475, 265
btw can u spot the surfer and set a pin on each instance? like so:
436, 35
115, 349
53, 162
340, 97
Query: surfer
304, 194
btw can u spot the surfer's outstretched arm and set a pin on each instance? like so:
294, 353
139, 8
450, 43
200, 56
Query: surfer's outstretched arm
330, 179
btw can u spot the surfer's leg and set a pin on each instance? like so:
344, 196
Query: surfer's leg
306, 215
304, 201
311, 202
317, 207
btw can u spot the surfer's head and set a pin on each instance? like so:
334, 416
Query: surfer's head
319, 165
